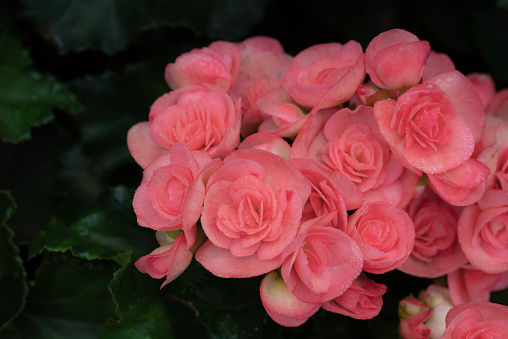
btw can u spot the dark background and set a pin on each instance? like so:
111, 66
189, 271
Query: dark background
96, 67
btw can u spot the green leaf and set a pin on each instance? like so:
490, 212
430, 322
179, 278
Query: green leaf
502, 3
13, 286
229, 308
7, 206
26, 96
111, 25
70, 299
114, 103
144, 311
105, 230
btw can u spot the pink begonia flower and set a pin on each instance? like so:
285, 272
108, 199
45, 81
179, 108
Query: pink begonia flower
498, 105
425, 317
477, 320
321, 262
264, 57
217, 64
281, 305
367, 94
169, 260
252, 211
495, 158
259, 82
325, 73
437, 250
159, 199
413, 314
202, 117
483, 232
330, 192
470, 285
385, 233
349, 142
283, 119
142, 147
255, 93
433, 127
267, 142
362, 300
438, 298
437, 63
495, 135
394, 59
463, 185
493, 152
484, 86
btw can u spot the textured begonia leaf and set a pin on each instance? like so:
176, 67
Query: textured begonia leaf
30, 170
13, 286
144, 311
26, 96
229, 308
114, 103
111, 25
70, 299
107, 229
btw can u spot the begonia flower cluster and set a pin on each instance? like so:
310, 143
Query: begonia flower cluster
322, 170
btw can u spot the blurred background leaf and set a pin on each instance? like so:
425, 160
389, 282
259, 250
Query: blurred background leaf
111, 25
13, 286
144, 311
73, 178
104, 230
69, 300
26, 96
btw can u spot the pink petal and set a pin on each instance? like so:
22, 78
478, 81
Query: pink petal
142, 146
223, 264
465, 99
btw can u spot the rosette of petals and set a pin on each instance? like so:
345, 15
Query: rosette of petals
483, 232
325, 73
282, 305
356, 149
477, 320
349, 142
469, 285
267, 142
437, 250
330, 193
159, 199
321, 262
252, 210
433, 127
395, 59
202, 117
169, 260
385, 233
217, 64
362, 300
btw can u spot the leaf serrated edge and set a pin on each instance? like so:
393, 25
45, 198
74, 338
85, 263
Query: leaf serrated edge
10, 236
